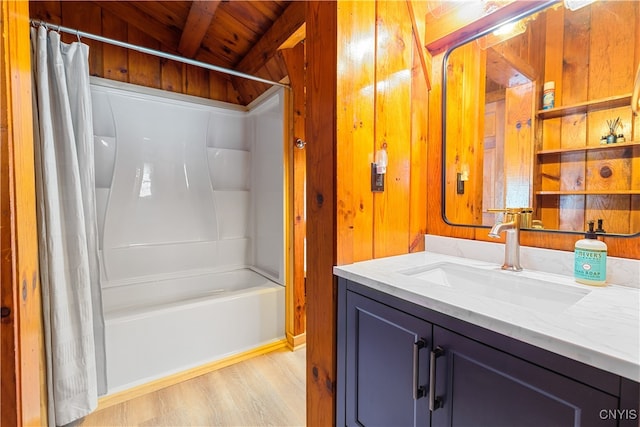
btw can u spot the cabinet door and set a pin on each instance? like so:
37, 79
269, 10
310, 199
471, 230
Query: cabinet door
482, 386
384, 355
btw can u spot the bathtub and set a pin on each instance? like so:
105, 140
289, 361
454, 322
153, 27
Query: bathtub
160, 327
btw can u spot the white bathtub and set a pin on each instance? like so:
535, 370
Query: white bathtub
164, 326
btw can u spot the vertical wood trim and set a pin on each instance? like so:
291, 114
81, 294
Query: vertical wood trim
9, 403
321, 210
20, 285
295, 61
287, 217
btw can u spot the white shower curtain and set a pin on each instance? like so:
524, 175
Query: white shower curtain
67, 227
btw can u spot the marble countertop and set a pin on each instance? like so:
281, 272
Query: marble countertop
601, 329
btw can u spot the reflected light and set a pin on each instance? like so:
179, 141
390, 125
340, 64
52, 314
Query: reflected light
576, 4
145, 186
394, 80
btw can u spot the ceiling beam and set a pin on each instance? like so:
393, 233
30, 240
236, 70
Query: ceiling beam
287, 24
167, 36
295, 38
198, 21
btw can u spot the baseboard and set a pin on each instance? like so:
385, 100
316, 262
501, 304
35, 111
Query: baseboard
294, 342
137, 391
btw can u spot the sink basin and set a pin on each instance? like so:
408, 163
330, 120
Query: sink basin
499, 285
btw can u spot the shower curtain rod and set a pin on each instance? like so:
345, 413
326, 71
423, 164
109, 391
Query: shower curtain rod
154, 52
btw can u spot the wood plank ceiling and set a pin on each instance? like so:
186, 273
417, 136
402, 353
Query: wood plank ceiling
236, 34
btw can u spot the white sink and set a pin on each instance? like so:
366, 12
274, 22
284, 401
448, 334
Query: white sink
510, 287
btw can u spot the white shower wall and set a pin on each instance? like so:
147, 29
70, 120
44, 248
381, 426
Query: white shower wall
265, 125
186, 184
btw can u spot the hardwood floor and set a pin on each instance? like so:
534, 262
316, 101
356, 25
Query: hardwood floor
268, 390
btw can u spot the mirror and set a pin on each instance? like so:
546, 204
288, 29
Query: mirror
537, 114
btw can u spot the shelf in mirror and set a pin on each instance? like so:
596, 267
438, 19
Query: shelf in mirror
586, 107
614, 146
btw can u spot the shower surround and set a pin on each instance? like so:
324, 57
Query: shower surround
190, 214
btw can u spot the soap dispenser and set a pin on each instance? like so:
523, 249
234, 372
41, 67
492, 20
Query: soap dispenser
590, 265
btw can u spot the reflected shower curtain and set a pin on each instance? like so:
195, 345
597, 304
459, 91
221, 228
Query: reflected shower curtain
67, 227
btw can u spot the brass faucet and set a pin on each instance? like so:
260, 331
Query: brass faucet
511, 227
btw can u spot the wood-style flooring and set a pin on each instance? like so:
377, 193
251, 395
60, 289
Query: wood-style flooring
267, 390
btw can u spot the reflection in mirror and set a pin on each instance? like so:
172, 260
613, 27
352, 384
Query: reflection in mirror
569, 149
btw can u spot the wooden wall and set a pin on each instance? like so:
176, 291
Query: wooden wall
124, 65
383, 103
366, 89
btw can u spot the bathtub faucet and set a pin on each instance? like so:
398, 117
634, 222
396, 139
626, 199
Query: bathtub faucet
511, 228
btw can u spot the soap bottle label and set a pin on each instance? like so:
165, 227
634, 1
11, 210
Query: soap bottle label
590, 264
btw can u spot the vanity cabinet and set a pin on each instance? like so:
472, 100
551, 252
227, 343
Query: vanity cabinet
387, 365
390, 352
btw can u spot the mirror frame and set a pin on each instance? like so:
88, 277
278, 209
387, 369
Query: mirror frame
445, 61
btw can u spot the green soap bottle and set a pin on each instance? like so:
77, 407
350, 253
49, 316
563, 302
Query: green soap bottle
590, 255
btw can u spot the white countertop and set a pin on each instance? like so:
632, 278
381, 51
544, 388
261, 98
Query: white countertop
602, 329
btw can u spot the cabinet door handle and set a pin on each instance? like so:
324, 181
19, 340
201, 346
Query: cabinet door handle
418, 390
434, 402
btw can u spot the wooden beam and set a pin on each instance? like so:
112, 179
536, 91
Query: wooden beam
418, 36
167, 36
321, 146
507, 69
198, 21
466, 19
289, 22
295, 38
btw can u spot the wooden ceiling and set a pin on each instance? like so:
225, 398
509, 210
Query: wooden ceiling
241, 35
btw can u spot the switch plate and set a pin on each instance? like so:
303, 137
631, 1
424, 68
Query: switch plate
377, 180
459, 184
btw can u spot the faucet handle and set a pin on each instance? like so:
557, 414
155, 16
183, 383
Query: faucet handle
509, 210
520, 216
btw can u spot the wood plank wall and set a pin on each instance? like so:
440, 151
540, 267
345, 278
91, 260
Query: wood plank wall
383, 103
124, 65
377, 99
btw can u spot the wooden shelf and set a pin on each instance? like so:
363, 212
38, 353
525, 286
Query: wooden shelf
586, 107
587, 192
617, 145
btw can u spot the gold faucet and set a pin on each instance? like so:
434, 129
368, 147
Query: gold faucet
511, 227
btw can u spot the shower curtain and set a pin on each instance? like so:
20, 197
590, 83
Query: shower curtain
67, 227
